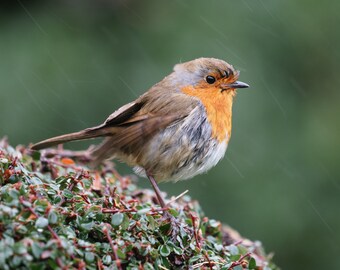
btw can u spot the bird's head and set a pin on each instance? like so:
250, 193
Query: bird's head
213, 82
208, 74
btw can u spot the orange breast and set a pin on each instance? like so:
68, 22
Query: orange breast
218, 106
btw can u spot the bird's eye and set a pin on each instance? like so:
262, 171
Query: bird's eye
210, 79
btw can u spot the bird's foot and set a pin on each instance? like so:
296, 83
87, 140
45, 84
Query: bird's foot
174, 225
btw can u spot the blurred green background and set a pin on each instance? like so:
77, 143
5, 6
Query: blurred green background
66, 66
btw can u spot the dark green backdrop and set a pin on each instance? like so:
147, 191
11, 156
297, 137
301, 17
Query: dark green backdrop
66, 67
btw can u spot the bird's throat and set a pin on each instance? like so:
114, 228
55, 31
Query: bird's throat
218, 106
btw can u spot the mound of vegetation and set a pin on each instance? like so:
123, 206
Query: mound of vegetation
56, 213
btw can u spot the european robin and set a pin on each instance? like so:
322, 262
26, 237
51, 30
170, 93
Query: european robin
179, 128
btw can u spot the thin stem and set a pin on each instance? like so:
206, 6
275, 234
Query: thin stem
113, 247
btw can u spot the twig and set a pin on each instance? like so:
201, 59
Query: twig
176, 198
114, 247
193, 219
207, 257
198, 244
83, 155
113, 211
239, 261
198, 265
78, 169
131, 210
60, 264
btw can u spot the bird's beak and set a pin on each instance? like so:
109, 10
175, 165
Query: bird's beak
234, 85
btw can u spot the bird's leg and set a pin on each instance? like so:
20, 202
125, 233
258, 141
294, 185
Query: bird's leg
175, 224
157, 190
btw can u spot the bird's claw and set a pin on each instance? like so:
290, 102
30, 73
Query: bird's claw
175, 225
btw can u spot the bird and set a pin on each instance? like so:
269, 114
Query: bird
179, 128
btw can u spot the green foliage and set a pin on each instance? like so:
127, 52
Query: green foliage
55, 213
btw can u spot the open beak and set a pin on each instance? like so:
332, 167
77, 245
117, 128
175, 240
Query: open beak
234, 85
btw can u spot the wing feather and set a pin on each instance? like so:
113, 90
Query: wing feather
130, 138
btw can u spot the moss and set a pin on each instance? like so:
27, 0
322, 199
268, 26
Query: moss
56, 213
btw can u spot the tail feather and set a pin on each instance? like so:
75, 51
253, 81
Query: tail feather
76, 136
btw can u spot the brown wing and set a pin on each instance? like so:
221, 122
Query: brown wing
129, 137
154, 114
124, 113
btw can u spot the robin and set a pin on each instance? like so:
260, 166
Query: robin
179, 128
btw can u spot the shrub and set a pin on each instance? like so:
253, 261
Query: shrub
58, 214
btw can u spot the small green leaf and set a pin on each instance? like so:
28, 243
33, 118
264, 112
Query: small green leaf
36, 250
143, 211
117, 219
173, 212
52, 217
14, 193
148, 266
16, 261
218, 247
13, 179
235, 258
242, 249
22, 229
57, 199
61, 180
68, 194
233, 250
121, 254
4, 160
87, 226
164, 250
107, 260
151, 222
41, 222
36, 155
252, 263
87, 183
26, 203
165, 228
213, 223
19, 248
195, 258
125, 224
178, 250
54, 187
89, 257
36, 181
